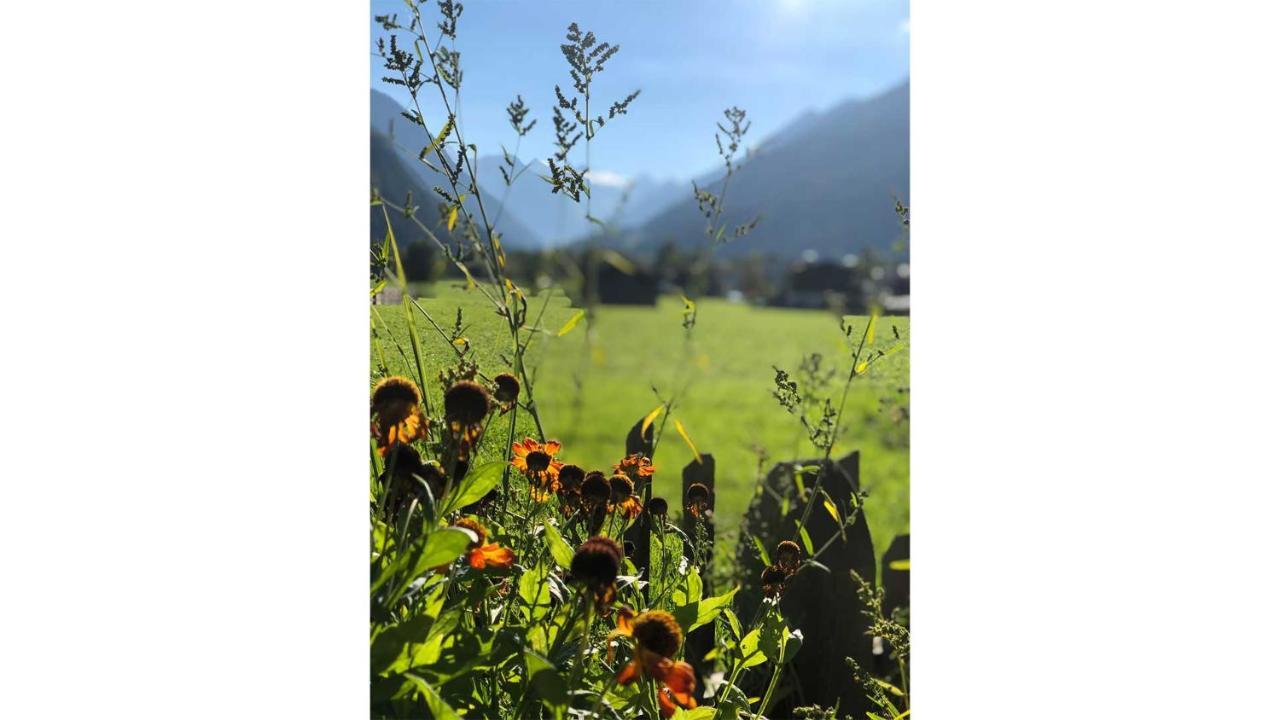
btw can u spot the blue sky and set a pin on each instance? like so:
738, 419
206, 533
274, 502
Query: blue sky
690, 59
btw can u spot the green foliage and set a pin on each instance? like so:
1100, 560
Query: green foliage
737, 349
489, 597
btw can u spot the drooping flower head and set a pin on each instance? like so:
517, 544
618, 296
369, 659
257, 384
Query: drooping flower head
788, 556
466, 404
396, 414
571, 477
595, 490
657, 508
481, 555
539, 464
622, 497
595, 565
657, 638
773, 581
570, 492
697, 500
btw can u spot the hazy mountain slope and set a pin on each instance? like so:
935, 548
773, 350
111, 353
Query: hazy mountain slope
827, 183
394, 158
556, 219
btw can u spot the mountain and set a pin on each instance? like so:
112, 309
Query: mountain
826, 183
556, 219
395, 170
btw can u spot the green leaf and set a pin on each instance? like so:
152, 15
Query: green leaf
793, 641
571, 323
478, 482
699, 713
750, 650
764, 554
560, 550
440, 710
547, 683
710, 607
804, 538
904, 564
440, 547
535, 592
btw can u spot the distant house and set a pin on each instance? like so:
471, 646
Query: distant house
634, 287
821, 284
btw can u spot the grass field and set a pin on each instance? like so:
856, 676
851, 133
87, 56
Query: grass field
590, 393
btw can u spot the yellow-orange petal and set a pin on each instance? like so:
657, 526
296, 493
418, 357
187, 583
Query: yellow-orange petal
629, 673
679, 677
552, 447
493, 555
666, 705
626, 620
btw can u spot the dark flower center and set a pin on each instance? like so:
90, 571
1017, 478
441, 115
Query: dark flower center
596, 562
621, 487
595, 488
506, 388
657, 632
466, 402
537, 461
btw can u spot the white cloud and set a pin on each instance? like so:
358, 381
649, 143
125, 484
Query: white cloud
608, 178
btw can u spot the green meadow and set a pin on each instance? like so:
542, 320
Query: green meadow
594, 382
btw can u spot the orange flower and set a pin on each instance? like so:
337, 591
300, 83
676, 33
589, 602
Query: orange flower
538, 463
396, 415
635, 466
480, 555
657, 638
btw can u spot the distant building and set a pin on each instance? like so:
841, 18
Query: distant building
635, 287
822, 284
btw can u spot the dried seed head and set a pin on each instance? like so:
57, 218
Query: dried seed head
466, 402
506, 388
788, 554
657, 507
658, 632
698, 493
596, 562
474, 526
773, 580
595, 488
620, 488
571, 477
393, 398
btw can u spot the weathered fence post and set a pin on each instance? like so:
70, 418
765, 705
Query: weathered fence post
895, 578
821, 602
